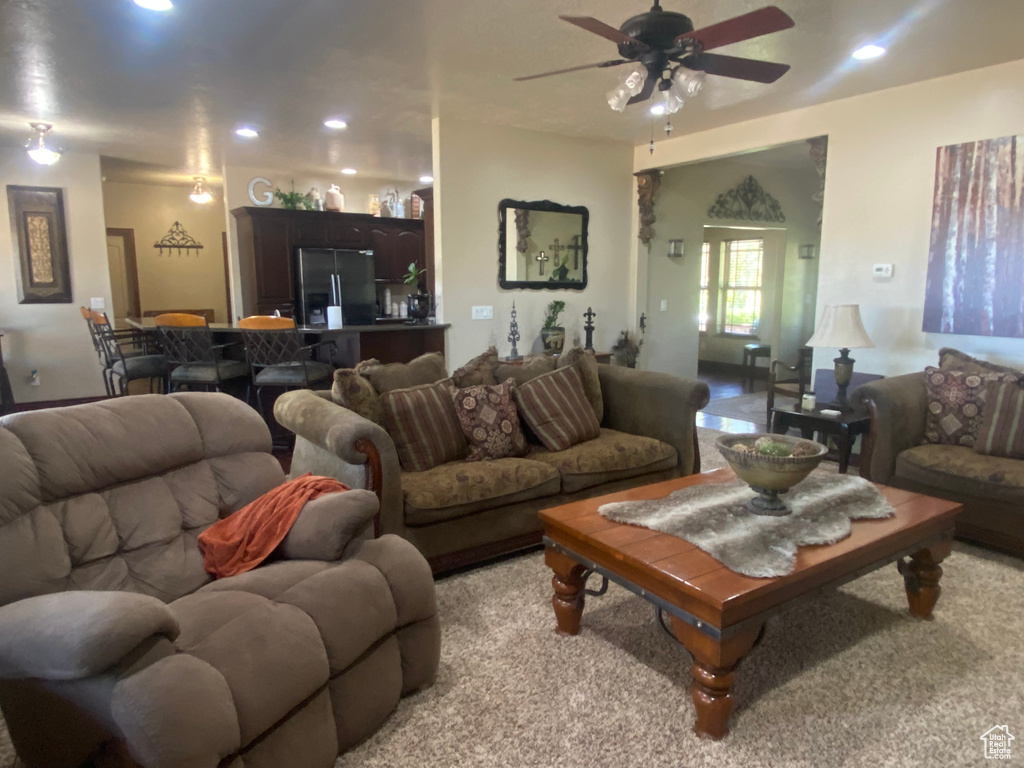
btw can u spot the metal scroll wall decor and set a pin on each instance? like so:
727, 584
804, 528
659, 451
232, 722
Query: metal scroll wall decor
177, 239
522, 230
748, 202
647, 183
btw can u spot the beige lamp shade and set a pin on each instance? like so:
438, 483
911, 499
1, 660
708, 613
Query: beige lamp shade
840, 327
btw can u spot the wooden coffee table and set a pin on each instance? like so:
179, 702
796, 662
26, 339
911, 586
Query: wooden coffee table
716, 613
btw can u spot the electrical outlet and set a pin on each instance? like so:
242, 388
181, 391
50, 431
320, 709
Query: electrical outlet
33, 378
483, 313
97, 302
664, 305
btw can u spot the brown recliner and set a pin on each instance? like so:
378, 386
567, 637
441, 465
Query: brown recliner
116, 646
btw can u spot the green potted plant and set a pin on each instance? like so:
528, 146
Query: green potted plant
292, 200
419, 302
552, 334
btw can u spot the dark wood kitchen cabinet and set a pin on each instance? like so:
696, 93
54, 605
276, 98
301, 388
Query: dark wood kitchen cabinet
269, 237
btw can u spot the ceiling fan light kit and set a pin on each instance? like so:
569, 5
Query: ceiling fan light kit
668, 53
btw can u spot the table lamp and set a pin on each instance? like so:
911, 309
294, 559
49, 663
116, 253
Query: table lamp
840, 326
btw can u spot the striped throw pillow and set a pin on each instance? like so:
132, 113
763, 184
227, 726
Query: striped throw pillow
1002, 422
556, 409
423, 423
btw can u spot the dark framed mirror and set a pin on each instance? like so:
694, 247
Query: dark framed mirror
542, 244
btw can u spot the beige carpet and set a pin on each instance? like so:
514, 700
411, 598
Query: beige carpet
847, 679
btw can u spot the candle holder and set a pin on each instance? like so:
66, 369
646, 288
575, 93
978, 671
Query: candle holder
513, 335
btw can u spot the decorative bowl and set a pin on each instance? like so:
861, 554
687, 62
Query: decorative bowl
770, 475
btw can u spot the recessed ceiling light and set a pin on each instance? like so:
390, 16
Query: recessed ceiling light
246, 132
336, 125
868, 52
349, 171
426, 179
155, 5
658, 109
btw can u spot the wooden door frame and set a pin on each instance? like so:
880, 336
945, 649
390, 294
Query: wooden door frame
131, 267
227, 273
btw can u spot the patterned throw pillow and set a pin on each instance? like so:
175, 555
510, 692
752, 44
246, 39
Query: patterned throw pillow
585, 362
357, 394
489, 420
554, 407
1002, 422
425, 369
956, 400
422, 422
954, 360
479, 370
531, 367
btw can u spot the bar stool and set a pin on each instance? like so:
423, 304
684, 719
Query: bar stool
750, 354
278, 358
124, 356
188, 345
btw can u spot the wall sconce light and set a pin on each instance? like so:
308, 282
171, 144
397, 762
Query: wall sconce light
675, 248
808, 251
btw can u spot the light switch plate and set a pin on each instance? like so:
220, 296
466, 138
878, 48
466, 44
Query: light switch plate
483, 313
882, 270
98, 302
664, 305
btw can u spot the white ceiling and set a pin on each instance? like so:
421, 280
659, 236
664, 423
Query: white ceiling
169, 89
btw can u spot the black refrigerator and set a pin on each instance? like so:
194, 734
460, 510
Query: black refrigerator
327, 277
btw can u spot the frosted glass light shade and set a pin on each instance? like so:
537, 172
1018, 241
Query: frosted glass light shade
840, 327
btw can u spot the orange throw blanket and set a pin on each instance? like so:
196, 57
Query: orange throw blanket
245, 538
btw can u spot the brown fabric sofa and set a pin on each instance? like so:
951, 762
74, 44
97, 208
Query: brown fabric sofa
464, 512
118, 649
991, 488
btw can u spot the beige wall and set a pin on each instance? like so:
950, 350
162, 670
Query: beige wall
878, 197
681, 208
52, 338
475, 167
172, 280
356, 189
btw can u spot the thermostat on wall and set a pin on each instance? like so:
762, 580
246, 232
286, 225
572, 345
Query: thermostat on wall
882, 270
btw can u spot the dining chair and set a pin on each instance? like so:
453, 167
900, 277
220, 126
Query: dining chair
788, 387
278, 358
195, 360
124, 355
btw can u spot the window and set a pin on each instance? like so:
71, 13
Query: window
741, 288
705, 285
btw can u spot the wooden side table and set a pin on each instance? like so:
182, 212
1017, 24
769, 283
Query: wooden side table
845, 427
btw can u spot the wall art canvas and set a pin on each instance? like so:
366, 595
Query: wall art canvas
37, 223
975, 283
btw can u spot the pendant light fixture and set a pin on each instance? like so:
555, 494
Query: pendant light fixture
200, 194
37, 148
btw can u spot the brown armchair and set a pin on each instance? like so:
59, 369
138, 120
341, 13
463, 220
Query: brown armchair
118, 649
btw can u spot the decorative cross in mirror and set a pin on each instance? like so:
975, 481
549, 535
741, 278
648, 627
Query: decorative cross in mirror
556, 248
575, 247
542, 257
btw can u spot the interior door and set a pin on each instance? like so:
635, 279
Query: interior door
124, 275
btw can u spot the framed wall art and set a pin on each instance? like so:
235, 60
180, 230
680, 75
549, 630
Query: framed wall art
975, 282
37, 225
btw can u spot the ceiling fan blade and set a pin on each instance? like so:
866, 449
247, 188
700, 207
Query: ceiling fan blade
741, 69
612, 63
645, 94
754, 24
604, 30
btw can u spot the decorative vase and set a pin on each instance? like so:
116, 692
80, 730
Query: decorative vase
553, 338
374, 205
419, 306
335, 201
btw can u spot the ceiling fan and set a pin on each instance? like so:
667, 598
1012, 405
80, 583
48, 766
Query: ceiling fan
666, 51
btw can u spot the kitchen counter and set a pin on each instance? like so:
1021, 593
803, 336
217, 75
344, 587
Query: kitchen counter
388, 341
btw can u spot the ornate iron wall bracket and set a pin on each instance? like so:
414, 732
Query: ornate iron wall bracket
647, 183
177, 238
748, 202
